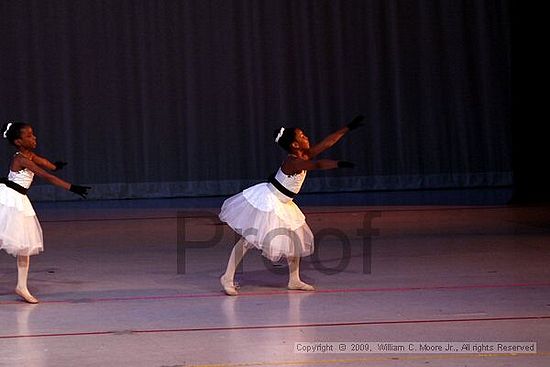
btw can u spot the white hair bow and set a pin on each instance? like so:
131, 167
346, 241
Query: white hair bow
7, 129
279, 134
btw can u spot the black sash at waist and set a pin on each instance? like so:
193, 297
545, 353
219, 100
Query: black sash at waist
272, 180
12, 185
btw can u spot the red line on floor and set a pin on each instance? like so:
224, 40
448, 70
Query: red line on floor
286, 292
268, 327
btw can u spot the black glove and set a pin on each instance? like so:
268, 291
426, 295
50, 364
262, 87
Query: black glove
59, 165
80, 190
356, 122
345, 164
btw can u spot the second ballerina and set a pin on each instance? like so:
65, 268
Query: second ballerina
265, 214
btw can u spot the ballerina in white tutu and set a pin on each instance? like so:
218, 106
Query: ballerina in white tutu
266, 216
20, 231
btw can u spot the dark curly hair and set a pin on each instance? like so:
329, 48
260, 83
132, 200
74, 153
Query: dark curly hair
289, 134
12, 130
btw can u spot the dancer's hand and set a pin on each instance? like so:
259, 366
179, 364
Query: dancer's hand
345, 164
59, 165
356, 122
80, 190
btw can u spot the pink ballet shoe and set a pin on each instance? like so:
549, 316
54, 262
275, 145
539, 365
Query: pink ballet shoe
29, 298
300, 286
228, 286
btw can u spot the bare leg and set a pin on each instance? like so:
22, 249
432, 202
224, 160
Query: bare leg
294, 281
236, 257
21, 289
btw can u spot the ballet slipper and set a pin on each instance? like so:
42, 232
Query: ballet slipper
29, 298
300, 286
228, 286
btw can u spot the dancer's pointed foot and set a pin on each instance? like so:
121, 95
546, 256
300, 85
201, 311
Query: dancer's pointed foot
300, 286
26, 295
228, 286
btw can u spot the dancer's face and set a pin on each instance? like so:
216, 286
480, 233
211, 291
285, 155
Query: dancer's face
27, 139
301, 140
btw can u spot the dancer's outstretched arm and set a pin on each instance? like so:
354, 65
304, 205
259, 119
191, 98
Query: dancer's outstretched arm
40, 172
333, 138
327, 142
295, 165
46, 164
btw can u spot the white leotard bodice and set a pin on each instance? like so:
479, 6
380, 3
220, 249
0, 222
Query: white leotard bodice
291, 182
22, 178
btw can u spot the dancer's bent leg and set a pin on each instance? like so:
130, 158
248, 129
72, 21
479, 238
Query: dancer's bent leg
235, 259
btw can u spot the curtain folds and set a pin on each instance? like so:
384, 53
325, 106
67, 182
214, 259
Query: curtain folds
173, 98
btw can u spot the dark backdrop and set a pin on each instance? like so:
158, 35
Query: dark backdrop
171, 98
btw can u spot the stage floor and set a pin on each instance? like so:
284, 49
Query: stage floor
124, 285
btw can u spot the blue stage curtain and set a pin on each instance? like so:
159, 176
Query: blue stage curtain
164, 98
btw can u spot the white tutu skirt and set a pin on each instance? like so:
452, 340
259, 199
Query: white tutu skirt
269, 221
20, 231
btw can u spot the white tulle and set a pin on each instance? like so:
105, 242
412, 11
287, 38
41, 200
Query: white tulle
20, 231
269, 221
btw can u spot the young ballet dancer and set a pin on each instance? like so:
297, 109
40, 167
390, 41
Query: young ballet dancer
266, 216
20, 231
